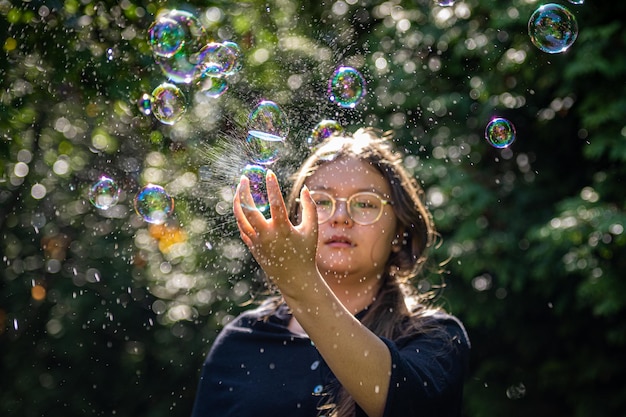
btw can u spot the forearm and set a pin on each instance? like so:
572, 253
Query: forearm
358, 358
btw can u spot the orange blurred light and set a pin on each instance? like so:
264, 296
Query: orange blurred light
38, 292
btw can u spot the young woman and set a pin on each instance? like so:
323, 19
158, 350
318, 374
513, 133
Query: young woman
348, 335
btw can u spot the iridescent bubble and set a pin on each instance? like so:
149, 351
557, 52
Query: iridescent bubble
238, 57
145, 104
168, 103
182, 66
552, 28
323, 130
166, 36
216, 60
264, 148
104, 194
154, 204
256, 174
445, 3
577, 2
268, 117
346, 87
500, 133
212, 86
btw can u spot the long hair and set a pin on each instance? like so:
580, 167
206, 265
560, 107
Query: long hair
398, 308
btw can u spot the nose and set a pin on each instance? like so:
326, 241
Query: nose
341, 215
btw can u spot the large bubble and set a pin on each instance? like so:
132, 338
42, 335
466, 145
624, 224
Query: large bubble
256, 174
346, 87
268, 128
154, 204
323, 130
552, 28
104, 193
500, 132
166, 36
217, 60
168, 103
181, 66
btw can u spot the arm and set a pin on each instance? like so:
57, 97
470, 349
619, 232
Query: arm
359, 359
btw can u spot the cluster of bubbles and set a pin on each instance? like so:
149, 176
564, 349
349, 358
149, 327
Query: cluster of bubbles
152, 202
552, 28
186, 54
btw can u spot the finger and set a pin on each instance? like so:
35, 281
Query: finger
238, 209
254, 217
278, 210
309, 212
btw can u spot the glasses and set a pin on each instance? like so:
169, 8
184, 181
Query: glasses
363, 207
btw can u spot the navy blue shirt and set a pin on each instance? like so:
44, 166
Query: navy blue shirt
258, 368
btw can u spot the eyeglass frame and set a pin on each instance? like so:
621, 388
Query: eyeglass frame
383, 203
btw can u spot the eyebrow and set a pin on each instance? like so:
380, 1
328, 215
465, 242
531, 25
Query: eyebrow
360, 190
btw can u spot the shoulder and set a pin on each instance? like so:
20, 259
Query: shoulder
271, 315
437, 324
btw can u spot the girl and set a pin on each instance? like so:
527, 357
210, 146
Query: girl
348, 335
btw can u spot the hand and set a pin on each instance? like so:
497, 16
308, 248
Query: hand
285, 252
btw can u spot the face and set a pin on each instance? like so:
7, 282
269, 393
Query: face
345, 248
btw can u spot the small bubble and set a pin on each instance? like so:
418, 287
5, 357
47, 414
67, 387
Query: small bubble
346, 87
104, 194
256, 174
212, 86
154, 204
500, 133
144, 103
445, 3
516, 392
552, 28
166, 36
168, 103
216, 60
322, 131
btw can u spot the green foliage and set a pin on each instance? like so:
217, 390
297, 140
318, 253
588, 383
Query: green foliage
102, 313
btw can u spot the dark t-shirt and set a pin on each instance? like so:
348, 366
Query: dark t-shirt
258, 368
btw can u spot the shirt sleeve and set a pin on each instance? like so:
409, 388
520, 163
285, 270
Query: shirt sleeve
428, 372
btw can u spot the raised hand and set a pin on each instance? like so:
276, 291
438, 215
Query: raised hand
285, 251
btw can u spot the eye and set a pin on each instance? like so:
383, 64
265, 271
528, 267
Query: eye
321, 200
365, 202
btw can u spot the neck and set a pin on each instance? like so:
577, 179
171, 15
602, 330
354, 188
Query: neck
355, 293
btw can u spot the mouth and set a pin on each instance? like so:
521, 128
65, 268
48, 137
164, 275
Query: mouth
339, 242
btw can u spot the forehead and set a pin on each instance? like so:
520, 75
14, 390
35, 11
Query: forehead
348, 175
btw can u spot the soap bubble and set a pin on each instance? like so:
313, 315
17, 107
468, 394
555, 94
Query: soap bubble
577, 2
552, 28
238, 56
212, 86
268, 117
168, 103
445, 3
346, 87
500, 133
166, 36
145, 104
323, 130
154, 204
104, 194
182, 66
216, 60
264, 148
256, 174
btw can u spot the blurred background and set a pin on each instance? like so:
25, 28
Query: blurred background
106, 311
